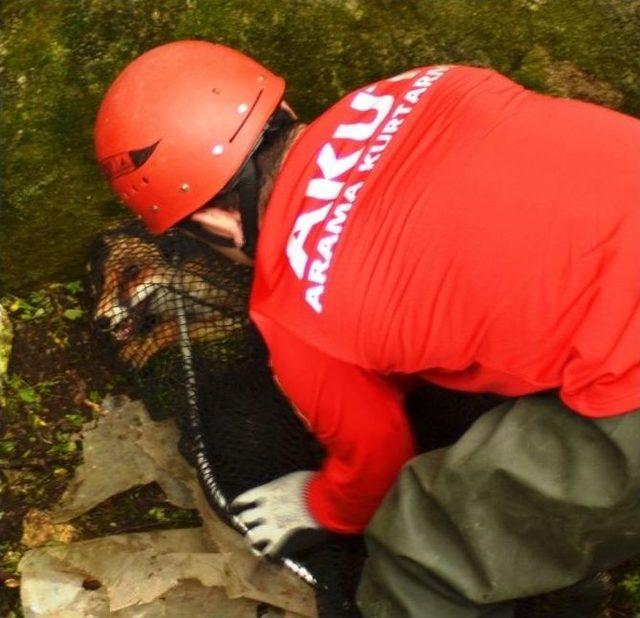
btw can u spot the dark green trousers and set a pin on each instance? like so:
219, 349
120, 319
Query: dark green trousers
531, 499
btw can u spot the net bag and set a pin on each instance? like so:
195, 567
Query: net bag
175, 314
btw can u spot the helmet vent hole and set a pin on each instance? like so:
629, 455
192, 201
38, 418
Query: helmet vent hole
140, 157
145, 180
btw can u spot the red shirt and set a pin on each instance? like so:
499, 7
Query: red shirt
449, 224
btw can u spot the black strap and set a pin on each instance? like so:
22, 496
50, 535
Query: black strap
248, 192
247, 185
195, 230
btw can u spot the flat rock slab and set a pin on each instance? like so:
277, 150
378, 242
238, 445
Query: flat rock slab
125, 448
192, 572
152, 574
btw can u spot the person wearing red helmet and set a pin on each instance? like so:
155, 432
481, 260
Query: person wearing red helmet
444, 224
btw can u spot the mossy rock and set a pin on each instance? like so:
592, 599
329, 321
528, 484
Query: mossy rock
58, 58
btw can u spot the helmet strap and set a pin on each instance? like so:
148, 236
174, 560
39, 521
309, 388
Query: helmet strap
195, 231
248, 188
247, 185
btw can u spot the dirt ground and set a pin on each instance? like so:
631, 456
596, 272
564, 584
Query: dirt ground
57, 375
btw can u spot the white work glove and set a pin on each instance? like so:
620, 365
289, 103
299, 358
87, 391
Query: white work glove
277, 516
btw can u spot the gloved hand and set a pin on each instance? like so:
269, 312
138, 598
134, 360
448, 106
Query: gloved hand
277, 517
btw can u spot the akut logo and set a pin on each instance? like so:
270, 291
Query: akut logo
327, 187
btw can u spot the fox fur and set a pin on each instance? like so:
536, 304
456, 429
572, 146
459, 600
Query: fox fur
137, 283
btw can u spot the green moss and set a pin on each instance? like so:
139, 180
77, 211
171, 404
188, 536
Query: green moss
59, 57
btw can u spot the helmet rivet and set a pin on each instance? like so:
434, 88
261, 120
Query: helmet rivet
184, 187
260, 78
155, 208
242, 108
218, 149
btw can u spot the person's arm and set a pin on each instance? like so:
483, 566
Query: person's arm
358, 416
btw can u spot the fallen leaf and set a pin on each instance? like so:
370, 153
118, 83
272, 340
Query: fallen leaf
38, 529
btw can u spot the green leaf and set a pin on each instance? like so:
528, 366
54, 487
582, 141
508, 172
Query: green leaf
631, 584
73, 314
36, 298
66, 448
74, 287
77, 420
28, 395
7, 447
158, 513
14, 381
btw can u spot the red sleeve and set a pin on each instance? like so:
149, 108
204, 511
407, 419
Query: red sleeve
359, 418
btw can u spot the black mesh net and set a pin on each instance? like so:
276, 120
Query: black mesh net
175, 313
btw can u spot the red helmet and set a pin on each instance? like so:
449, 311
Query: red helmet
177, 125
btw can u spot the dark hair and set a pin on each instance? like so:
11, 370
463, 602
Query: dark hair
278, 126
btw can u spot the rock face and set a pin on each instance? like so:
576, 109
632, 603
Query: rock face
57, 61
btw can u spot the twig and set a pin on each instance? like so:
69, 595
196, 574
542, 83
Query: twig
95, 407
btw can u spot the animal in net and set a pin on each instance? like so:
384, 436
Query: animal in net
175, 314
